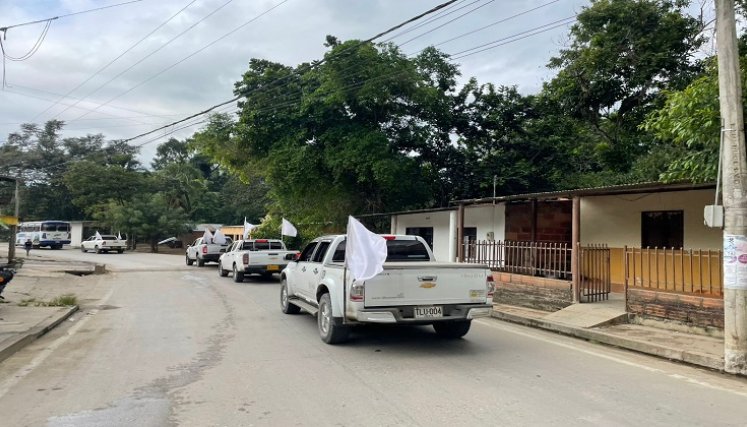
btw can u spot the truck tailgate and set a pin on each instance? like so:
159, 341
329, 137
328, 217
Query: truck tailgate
426, 283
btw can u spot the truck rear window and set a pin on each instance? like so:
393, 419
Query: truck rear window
397, 250
261, 246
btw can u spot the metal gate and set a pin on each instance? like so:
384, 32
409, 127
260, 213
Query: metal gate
594, 269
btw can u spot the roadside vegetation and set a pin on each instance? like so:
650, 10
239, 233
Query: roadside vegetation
66, 300
371, 129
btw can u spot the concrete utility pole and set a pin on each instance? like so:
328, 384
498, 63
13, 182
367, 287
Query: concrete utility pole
735, 191
14, 228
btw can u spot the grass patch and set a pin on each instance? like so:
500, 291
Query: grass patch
65, 300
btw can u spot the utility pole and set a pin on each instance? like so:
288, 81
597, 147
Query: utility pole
14, 228
735, 191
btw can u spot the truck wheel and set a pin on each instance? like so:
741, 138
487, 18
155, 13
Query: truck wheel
330, 331
98, 251
452, 330
200, 261
82, 249
285, 305
238, 276
221, 271
119, 251
189, 260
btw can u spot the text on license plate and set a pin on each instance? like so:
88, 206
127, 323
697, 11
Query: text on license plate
428, 312
273, 267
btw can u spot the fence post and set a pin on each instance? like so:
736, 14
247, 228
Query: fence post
575, 248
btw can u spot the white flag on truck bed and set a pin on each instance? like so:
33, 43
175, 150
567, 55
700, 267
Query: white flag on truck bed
288, 229
248, 228
219, 237
365, 252
98, 236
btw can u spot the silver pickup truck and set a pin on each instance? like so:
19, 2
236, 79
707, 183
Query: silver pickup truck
412, 289
202, 252
254, 256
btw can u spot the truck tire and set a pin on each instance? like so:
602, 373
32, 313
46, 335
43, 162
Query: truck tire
189, 260
452, 330
119, 251
82, 249
330, 331
221, 271
200, 261
98, 251
285, 305
238, 276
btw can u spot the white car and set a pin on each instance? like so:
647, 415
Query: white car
258, 256
105, 243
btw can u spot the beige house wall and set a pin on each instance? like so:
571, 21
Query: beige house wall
616, 220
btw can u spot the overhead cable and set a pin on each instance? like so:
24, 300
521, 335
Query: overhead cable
97, 72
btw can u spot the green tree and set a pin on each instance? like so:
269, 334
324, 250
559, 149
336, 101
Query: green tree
147, 217
622, 53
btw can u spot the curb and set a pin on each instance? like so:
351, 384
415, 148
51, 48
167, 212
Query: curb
11, 345
693, 358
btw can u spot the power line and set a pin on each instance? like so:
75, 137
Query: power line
495, 23
5, 29
214, 11
316, 64
445, 23
25, 56
97, 72
505, 40
444, 13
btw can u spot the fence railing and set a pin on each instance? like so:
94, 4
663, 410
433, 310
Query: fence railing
595, 278
679, 270
546, 259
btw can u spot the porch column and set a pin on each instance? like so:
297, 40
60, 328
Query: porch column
575, 241
534, 220
460, 233
393, 224
453, 242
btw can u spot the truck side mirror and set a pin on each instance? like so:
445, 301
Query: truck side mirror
290, 257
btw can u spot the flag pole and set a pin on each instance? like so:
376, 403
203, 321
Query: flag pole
344, 292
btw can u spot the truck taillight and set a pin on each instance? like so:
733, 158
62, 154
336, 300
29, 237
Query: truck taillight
490, 286
204, 249
245, 259
357, 292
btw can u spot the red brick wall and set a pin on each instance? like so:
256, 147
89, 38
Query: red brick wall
533, 292
553, 221
686, 308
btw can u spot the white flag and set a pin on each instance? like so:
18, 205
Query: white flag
365, 252
98, 236
248, 228
207, 236
119, 236
288, 229
219, 237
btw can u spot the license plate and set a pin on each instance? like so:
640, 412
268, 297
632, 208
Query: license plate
428, 312
273, 267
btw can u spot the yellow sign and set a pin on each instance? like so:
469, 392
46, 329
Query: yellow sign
427, 285
9, 220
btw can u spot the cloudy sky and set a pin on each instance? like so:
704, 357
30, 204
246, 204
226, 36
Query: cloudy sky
164, 78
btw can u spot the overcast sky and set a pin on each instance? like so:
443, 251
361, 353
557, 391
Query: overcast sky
141, 99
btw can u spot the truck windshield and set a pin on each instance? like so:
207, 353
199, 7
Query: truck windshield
397, 250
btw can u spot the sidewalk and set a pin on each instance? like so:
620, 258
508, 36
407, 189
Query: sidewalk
41, 280
602, 322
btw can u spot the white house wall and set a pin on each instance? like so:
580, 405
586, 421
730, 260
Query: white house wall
438, 220
486, 219
616, 220
76, 234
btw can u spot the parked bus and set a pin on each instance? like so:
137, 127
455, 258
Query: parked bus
53, 234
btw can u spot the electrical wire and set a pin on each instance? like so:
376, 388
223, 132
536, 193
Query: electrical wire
97, 72
314, 65
213, 12
5, 29
444, 13
27, 55
445, 23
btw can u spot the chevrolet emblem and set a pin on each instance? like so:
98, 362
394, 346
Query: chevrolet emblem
427, 285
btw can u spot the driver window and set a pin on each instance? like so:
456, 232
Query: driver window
319, 254
308, 251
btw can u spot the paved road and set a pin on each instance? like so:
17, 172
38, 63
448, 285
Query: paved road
175, 345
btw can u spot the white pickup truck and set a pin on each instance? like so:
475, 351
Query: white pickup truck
412, 289
206, 252
105, 243
258, 256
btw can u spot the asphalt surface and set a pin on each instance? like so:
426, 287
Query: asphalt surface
166, 344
